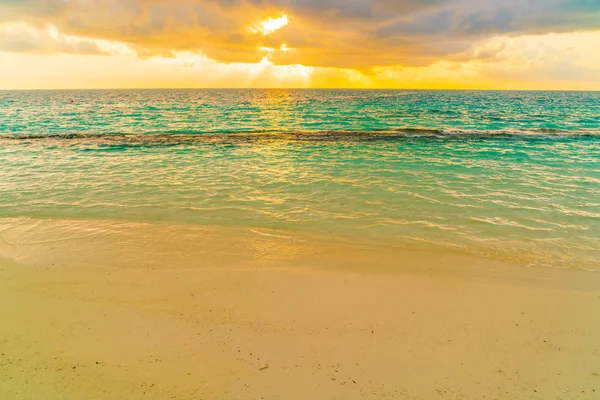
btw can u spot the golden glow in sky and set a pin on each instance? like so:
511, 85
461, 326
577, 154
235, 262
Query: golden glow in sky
468, 44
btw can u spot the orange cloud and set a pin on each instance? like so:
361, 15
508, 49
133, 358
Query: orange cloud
328, 33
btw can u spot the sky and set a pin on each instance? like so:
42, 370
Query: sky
420, 44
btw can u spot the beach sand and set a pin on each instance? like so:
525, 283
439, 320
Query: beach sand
273, 318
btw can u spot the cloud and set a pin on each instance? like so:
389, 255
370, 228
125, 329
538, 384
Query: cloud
24, 39
470, 18
358, 34
547, 61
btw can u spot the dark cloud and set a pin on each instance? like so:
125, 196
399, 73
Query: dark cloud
479, 18
340, 33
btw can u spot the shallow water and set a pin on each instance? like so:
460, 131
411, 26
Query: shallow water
509, 175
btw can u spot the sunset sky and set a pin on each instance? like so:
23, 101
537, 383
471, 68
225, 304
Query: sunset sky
471, 44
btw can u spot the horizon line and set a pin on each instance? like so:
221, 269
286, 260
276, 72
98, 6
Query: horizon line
298, 88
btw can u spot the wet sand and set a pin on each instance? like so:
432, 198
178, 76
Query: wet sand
80, 324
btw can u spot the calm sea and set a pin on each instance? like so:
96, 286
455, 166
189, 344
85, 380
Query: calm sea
511, 175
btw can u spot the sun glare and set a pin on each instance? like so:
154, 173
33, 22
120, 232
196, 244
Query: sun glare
272, 24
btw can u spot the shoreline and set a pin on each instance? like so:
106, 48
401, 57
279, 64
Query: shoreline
153, 244
262, 316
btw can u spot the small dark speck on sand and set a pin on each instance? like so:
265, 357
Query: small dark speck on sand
263, 368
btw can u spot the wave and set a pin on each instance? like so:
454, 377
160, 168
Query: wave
169, 137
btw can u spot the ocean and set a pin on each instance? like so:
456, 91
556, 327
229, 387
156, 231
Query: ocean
512, 176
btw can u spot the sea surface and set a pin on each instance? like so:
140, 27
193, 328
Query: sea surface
505, 175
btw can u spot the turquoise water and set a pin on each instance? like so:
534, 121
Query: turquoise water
510, 175
227, 111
